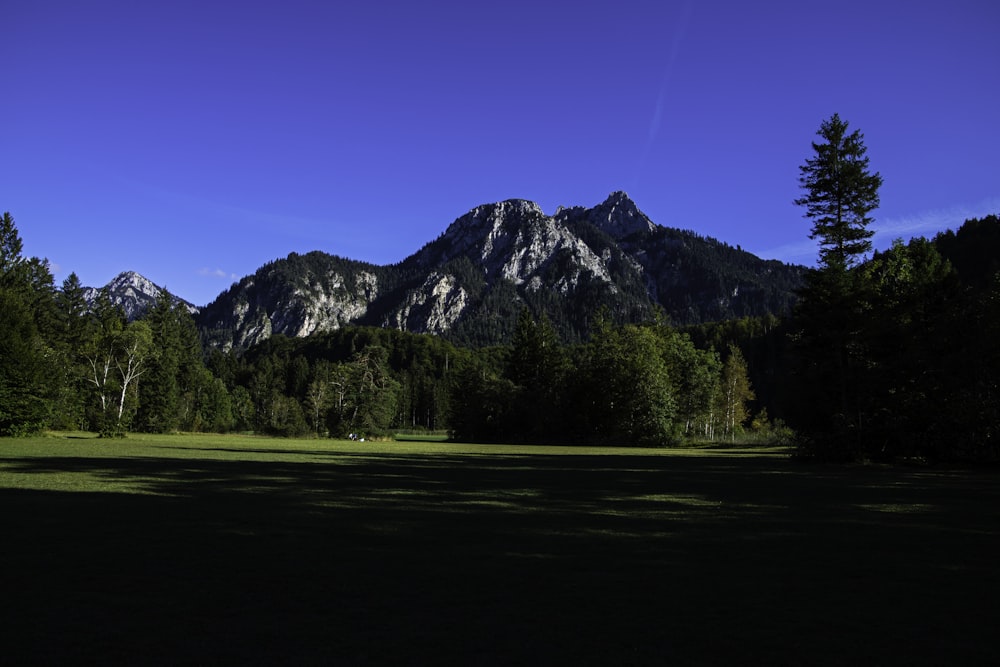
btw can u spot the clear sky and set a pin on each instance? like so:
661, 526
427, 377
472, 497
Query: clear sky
193, 141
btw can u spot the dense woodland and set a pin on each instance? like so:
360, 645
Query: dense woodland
886, 356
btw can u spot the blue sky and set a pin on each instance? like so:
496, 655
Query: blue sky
195, 141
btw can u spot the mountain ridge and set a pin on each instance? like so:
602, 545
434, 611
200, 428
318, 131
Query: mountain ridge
470, 282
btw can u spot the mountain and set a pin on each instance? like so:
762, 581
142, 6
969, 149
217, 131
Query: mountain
295, 296
470, 283
133, 292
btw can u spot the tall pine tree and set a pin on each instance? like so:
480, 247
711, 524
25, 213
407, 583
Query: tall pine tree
840, 194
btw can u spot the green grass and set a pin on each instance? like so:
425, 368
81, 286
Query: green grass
421, 437
242, 550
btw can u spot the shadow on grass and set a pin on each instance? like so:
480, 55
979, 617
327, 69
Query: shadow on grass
354, 558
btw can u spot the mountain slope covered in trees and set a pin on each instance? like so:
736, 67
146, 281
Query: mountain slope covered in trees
470, 283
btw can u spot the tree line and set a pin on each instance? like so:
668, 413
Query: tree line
886, 355
644, 384
634, 384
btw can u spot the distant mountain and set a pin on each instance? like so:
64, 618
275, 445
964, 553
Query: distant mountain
133, 292
470, 283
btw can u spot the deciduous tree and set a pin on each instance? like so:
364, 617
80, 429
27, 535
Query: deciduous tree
632, 397
734, 393
117, 358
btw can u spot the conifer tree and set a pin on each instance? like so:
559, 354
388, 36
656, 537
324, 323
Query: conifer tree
27, 375
159, 392
840, 195
10, 250
29, 372
76, 326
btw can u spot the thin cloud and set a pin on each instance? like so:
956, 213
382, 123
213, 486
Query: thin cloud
217, 273
932, 221
924, 223
801, 252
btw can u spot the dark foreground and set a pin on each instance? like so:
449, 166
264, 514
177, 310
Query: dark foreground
469, 559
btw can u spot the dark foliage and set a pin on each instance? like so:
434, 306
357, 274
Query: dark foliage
908, 367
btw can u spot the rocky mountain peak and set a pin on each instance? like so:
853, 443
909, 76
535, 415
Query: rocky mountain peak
477, 232
618, 216
493, 215
134, 293
134, 284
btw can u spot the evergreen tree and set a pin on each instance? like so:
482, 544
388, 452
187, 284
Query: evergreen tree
75, 319
159, 391
840, 194
11, 246
193, 383
76, 325
30, 378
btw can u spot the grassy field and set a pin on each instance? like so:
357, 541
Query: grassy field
237, 550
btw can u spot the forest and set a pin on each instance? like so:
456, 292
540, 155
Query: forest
886, 356
914, 374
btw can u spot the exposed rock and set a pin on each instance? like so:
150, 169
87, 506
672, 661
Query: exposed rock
433, 308
471, 281
134, 293
619, 217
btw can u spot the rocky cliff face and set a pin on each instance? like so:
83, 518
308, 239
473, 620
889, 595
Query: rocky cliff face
470, 283
515, 241
297, 296
433, 307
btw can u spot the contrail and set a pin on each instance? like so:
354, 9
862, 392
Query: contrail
661, 98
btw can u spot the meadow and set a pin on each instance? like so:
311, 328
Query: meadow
184, 549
